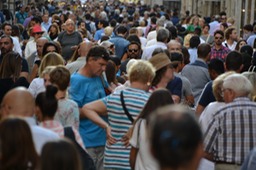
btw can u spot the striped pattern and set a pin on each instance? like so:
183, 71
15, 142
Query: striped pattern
117, 155
231, 134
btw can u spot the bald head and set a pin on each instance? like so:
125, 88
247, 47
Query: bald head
174, 46
84, 48
18, 102
40, 44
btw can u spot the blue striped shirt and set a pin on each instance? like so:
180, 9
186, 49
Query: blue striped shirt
117, 155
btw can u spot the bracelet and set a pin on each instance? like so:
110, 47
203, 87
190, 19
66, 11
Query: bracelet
106, 126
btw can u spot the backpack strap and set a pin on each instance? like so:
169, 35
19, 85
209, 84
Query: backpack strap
124, 107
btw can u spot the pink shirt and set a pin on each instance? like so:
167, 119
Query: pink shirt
59, 129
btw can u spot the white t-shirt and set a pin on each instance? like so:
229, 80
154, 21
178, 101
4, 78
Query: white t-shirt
207, 114
144, 159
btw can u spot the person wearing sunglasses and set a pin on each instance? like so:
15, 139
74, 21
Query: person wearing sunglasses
218, 50
37, 33
133, 52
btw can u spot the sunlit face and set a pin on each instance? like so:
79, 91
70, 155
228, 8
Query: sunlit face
47, 81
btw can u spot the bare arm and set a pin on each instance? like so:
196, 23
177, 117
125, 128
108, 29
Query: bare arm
199, 110
93, 111
133, 155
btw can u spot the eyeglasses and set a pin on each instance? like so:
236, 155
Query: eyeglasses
133, 50
218, 38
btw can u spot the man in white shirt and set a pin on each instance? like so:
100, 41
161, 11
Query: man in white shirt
231, 38
19, 102
162, 40
7, 29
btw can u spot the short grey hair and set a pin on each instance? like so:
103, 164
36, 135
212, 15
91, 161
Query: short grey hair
162, 35
239, 84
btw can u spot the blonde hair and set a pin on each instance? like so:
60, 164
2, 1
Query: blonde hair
47, 70
141, 71
50, 59
108, 31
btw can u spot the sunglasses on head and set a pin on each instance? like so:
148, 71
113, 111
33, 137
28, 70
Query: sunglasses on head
133, 50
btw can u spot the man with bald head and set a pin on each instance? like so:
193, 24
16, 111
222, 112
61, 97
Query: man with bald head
82, 51
69, 39
174, 46
35, 56
19, 102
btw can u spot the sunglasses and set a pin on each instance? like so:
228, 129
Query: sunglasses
133, 50
39, 33
218, 38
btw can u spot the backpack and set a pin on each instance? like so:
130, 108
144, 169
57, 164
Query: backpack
87, 162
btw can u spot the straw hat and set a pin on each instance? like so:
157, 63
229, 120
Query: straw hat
160, 60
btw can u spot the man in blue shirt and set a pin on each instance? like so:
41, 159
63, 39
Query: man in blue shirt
86, 86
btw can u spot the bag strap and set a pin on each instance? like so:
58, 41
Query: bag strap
124, 107
68, 132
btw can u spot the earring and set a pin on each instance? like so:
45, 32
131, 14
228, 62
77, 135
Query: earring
148, 84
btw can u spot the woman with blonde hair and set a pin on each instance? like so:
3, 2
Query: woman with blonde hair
122, 107
50, 59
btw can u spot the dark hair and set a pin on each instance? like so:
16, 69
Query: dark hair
15, 31
98, 52
6, 24
61, 154
121, 29
173, 31
233, 61
48, 44
238, 44
104, 23
133, 37
176, 57
17, 147
186, 55
248, 27
247, 49
47, 102
217, 65
160, 97
37, 19
111, 72
194, 41
175, 136
247, 60
203, 50
157, 51
219, 32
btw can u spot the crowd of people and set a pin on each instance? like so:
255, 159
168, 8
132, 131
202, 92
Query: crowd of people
125, 86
